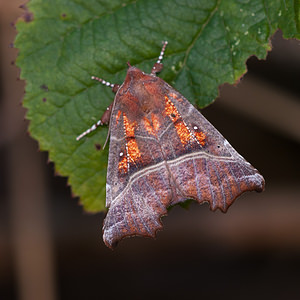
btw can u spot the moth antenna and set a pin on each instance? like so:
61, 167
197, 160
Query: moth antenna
92, 128
162, 52
103, 81
158, 65
114, 86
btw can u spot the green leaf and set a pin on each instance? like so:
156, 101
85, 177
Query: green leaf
68, 41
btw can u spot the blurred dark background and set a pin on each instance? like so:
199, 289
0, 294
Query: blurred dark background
51, 249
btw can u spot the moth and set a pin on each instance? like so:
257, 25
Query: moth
162, 152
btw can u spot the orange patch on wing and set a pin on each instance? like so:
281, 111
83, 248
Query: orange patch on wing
133, 150
173, 95
131, 145
155, 122
123, 165
152, 126
171, 110
118, 116
149, 126
129, 127
201, 136
182, 130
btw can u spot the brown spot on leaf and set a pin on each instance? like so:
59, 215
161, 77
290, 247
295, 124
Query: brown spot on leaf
98, 147
44, 87
27, 16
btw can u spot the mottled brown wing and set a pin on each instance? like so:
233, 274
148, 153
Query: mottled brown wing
184, 157
137, 193
213, 172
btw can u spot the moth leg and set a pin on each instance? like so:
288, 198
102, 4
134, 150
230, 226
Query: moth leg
158, 66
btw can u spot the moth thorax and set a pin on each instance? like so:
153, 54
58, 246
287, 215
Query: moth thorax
147, 104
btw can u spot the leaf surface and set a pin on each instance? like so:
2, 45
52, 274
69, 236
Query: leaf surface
68, 41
